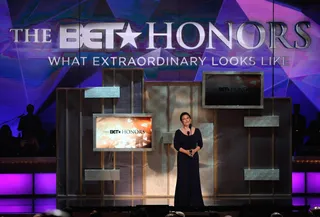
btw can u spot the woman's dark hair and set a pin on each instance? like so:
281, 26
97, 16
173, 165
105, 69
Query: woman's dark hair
183, 114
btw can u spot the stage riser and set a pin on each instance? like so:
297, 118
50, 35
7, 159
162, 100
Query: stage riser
229, 147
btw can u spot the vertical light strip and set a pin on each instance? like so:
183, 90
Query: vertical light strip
272, 144
191, 101
67, 144
215, 153
80, 143
114, 111
132, 111
144, 154
168, 151
102, 154
249, 152
290, 143
168, 166
57, 142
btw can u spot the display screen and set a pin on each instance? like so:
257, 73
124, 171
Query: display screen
233, 90
122, 132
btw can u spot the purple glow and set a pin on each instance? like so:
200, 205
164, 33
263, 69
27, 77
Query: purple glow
298, 182
45, 183
15, 184
44, 205
15, 206
313, 182
298, 201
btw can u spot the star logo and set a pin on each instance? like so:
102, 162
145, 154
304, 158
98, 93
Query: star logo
128, 37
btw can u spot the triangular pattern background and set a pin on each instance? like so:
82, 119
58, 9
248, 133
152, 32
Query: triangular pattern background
26, 74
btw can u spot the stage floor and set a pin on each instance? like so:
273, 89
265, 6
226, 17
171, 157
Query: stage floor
39, 205
230, 201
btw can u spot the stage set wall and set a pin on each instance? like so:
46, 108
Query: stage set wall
228, 149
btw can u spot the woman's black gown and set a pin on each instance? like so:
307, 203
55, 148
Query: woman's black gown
188, 187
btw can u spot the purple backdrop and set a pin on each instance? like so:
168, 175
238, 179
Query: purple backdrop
29, 78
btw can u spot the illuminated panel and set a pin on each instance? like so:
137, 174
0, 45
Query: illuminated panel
298, 182
261, 174
15, 184
15, 206
45, 204
261, 121
101, 175
102, 92
45, 183
298, 201
313, 182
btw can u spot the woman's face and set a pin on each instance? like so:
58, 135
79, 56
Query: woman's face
186, 120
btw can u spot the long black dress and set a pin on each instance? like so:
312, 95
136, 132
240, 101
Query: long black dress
188, 187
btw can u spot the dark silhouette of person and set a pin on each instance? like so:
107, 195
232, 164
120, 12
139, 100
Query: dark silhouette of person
31, 128
9, 145
298, 128
314, 132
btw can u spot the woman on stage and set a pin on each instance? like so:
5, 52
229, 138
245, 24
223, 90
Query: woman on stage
188, 141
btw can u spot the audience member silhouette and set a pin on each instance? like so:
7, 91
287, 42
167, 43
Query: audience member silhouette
31, 127
9, 145
31, 136
314, 132
298, 128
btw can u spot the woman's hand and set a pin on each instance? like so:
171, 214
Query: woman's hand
194, 151
190, 153
184, 151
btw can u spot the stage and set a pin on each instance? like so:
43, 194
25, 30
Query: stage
256, 206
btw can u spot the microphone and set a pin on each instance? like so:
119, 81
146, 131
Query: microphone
188, 133
190, 126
